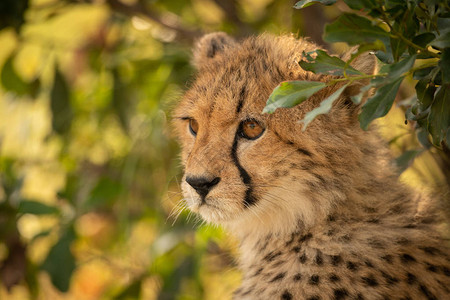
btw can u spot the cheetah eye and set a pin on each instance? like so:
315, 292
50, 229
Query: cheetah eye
250, 129
193, 126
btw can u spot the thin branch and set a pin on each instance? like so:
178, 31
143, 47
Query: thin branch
140, 9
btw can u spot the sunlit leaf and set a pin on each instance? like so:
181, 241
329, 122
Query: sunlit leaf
354, 30
439, 117
379, 105
36, 208
60, 262
324, 108
60, 103
324, 63
306, 3
291, 93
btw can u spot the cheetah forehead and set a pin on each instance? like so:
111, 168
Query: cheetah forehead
240, 77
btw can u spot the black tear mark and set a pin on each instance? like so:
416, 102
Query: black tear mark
249, 199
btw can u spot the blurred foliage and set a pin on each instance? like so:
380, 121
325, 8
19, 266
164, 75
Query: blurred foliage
88, 167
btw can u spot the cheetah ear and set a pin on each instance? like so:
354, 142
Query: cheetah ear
211, 46
366, 63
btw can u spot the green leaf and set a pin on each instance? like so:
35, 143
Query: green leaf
442, 41
11, 81
324, 108
398, 48
425, 93
354, 30
379, 105
60, 104
306, 3
396, 70
324, 63
36, 208
60, 263
423, 39
439, 117
401, 67
360, 4
423, 73
406, 159
291, 93
444, 63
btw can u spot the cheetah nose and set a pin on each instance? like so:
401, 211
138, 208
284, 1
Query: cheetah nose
202, 184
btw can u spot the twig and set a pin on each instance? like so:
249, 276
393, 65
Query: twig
139, 9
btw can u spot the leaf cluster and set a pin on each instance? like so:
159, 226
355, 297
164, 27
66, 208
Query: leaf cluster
410, 38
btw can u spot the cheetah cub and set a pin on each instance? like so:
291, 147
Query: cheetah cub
320, 213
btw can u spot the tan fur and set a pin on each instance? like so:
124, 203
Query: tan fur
330, 219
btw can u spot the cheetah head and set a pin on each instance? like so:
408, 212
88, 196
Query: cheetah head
245, 169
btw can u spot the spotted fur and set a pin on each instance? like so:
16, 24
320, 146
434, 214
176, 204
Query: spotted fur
320, 213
